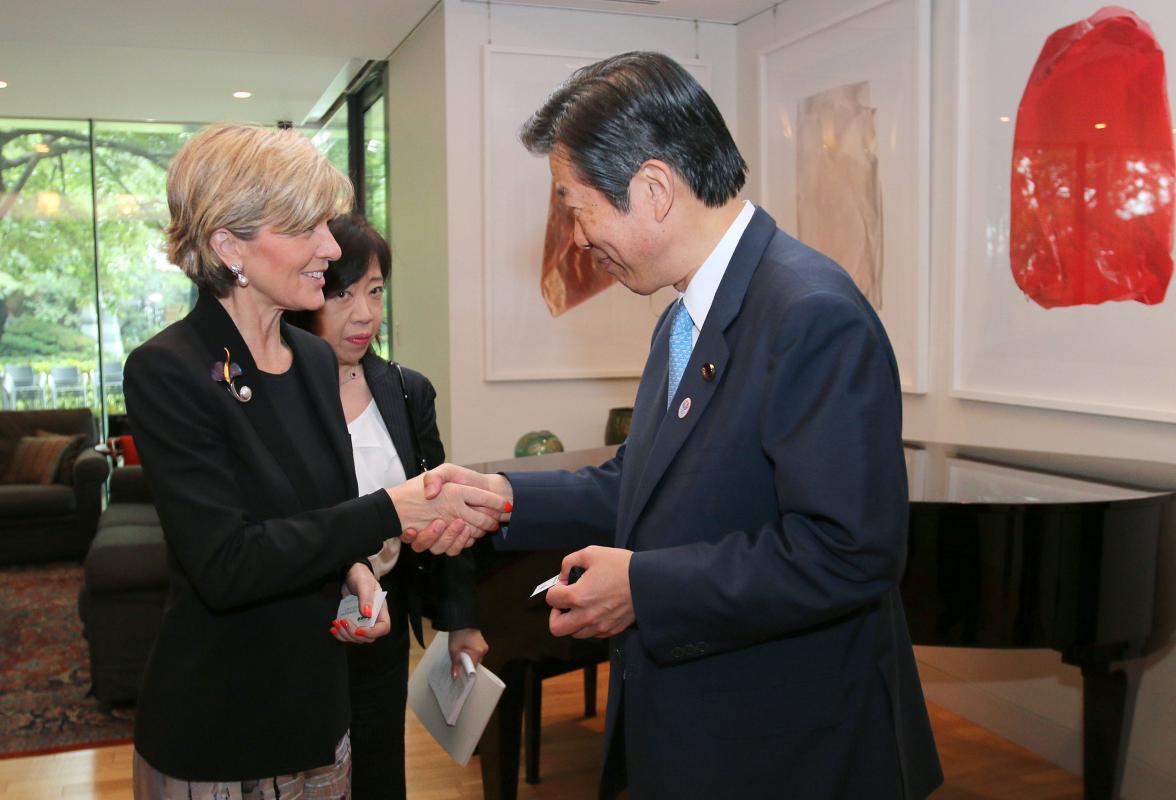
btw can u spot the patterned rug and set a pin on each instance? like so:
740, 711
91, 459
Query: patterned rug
45, 667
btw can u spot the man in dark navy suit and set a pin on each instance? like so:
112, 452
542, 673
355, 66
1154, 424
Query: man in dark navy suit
744, 547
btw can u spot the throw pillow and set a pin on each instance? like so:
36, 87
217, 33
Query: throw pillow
36, 459
65, 467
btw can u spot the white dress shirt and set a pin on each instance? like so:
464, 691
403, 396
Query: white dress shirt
700, 292
377, 465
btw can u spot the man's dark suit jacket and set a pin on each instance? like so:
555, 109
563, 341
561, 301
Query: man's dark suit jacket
770, 656
244, 681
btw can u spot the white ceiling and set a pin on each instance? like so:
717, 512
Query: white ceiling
181, 60
729, 11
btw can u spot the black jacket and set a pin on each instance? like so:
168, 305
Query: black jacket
443, 587
245, 680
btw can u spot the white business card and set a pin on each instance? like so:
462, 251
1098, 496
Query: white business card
349, 610
547, 584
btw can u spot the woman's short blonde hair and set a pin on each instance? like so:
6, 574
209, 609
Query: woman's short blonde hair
241, 177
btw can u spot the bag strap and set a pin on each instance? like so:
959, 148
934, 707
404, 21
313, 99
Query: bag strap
419, 454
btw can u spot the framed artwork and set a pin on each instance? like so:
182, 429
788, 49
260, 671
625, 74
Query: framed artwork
1018, 345
845, 160
532, 331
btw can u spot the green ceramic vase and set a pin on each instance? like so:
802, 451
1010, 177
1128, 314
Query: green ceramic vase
536, 443
616, 430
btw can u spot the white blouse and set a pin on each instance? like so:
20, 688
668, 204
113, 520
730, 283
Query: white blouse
377, 465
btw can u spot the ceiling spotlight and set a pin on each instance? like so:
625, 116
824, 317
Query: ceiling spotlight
1098, 126
1004, 119
242, 95
3, 84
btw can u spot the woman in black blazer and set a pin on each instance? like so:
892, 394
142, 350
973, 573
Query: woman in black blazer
393, 424
238, 423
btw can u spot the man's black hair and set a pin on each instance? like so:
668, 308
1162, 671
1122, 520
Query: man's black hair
612, 116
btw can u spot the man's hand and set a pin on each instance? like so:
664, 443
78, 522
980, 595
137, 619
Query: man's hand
601, 603
449, 519
435, 480
470, 641
448, 477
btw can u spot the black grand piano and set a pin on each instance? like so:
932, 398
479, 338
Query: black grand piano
1007, 549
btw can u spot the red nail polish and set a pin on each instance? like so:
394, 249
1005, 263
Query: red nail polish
367, 611
334, 631
508, 508
346, 625
359, 632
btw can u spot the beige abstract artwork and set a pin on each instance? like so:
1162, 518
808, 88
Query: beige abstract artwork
838, 193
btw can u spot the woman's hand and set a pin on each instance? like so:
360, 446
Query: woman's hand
469, 641
362, 583
449, 521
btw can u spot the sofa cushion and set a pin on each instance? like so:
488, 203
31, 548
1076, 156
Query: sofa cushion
117, 514
126, 557
36, 459
61, 421
65, 467
36, 500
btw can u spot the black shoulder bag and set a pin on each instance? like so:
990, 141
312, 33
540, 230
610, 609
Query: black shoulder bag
425, 591
419, 454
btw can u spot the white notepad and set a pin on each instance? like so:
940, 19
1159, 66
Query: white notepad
480, 691
451, 693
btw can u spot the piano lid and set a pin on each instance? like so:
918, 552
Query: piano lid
959, 474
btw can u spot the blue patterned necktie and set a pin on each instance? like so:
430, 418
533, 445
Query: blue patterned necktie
681, 329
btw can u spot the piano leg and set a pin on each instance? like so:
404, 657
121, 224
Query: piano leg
1108, 703
501, 742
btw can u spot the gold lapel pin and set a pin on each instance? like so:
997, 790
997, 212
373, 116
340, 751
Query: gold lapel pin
228, 371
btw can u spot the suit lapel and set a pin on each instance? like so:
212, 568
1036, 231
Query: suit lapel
649, 409
384, 384
670, 429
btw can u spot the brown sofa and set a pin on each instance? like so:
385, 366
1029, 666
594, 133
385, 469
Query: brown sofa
121, 602
51, 521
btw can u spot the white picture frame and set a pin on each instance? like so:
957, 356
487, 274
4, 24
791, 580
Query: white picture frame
1114, 359
606, 336
888, 44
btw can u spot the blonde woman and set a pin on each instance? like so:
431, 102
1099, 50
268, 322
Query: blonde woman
237, 419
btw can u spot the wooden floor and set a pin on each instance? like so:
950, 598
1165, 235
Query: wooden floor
978, 764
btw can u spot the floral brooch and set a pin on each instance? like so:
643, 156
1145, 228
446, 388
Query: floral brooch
228, 371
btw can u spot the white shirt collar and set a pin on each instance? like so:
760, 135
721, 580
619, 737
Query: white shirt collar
700, 292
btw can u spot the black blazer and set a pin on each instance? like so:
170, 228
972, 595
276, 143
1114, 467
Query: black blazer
244, 680
448, 584
770, 655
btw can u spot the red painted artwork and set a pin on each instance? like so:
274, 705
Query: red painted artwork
569, 274
1093, 170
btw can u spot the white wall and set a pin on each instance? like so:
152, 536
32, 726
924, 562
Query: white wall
1026, 696
488, 417
417, 206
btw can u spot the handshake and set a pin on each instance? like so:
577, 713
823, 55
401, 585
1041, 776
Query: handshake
445, 509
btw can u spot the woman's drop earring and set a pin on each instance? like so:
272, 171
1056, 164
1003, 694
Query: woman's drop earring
239, 274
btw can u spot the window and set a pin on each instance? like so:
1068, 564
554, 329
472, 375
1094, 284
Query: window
47, 276
84, 278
